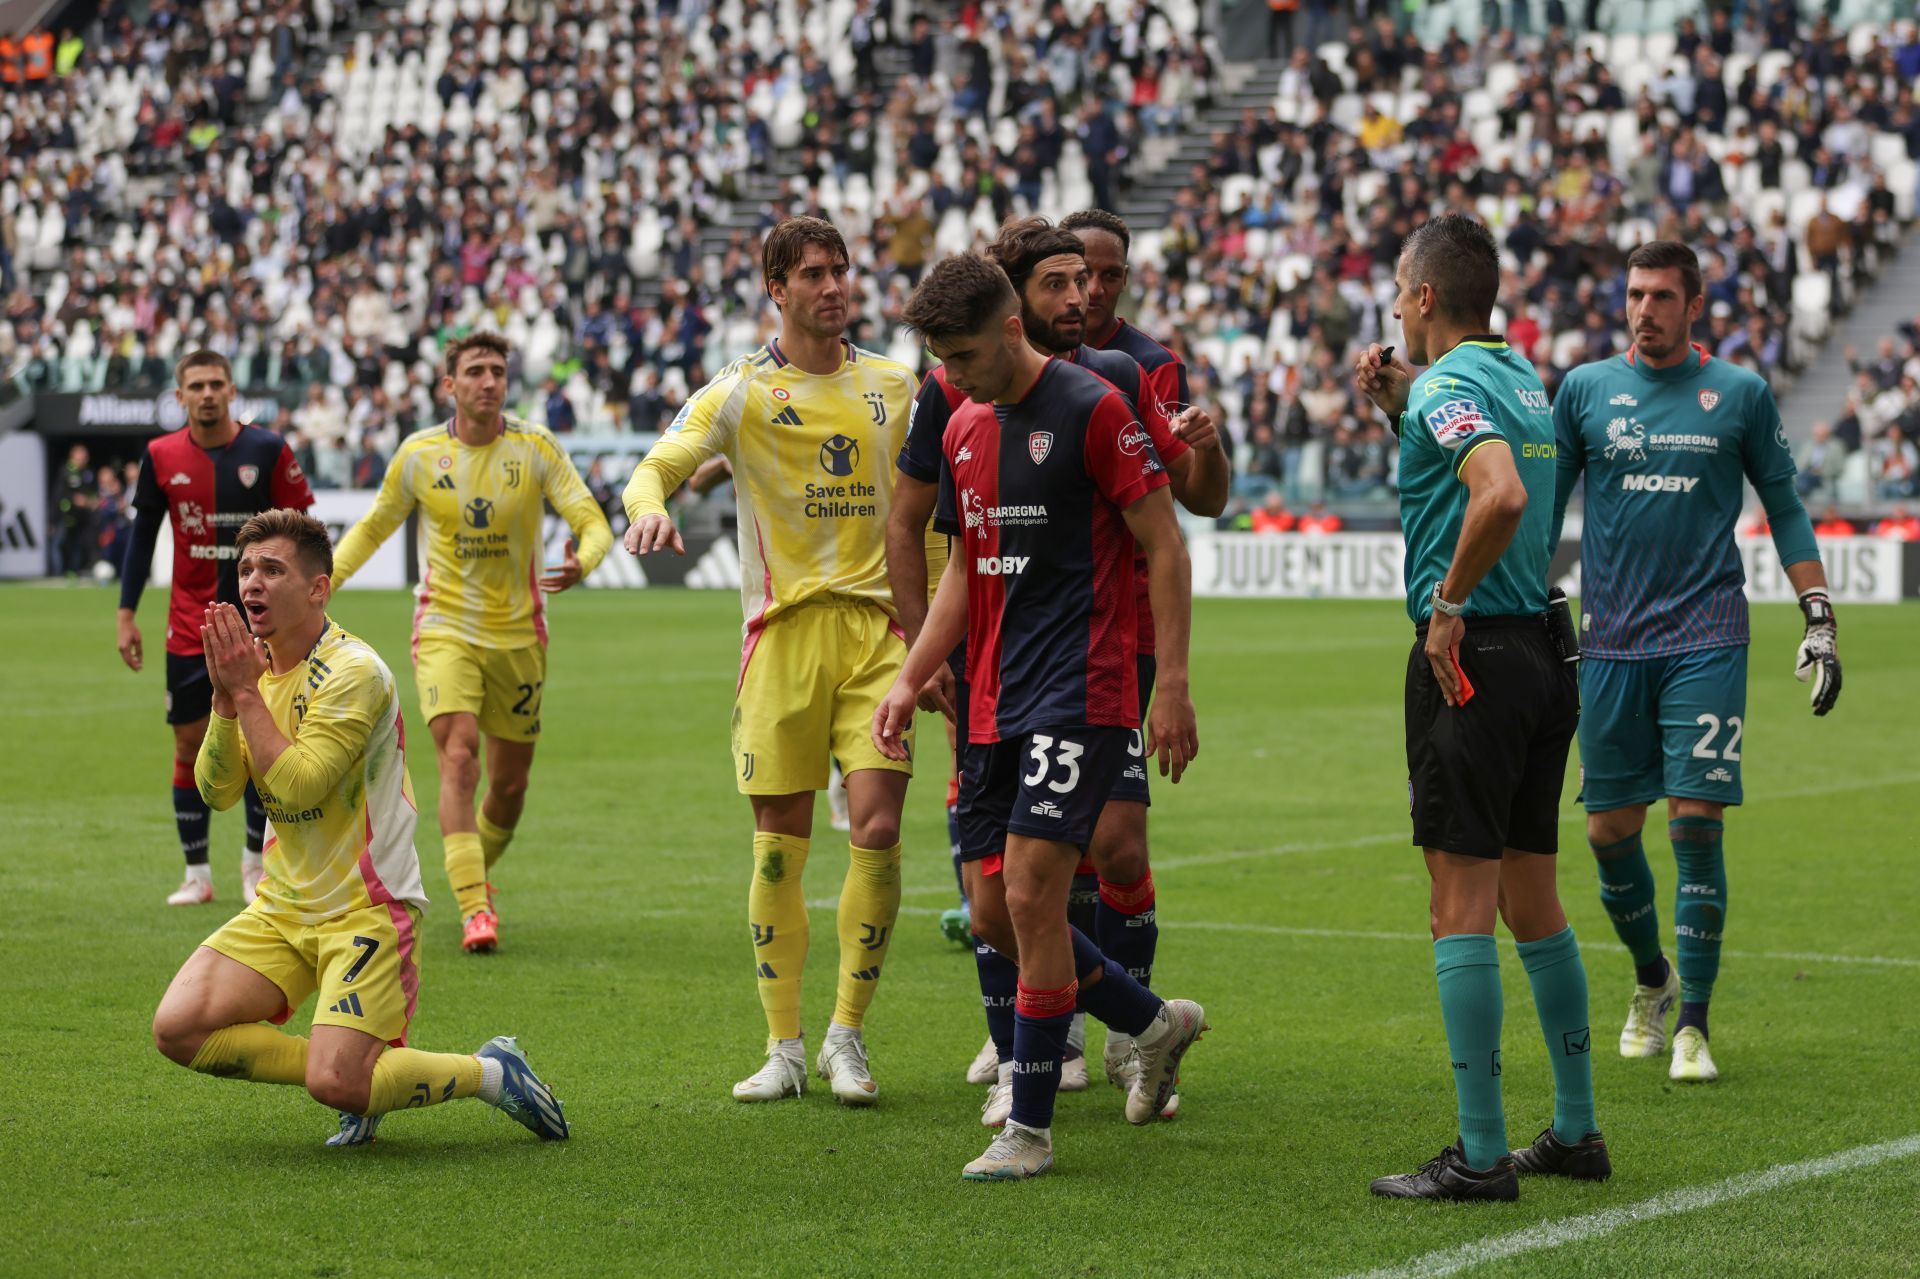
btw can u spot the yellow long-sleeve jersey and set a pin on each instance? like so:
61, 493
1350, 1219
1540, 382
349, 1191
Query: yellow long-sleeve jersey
813, 464
480, 534
339, 797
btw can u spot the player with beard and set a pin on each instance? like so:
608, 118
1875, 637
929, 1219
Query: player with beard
207, 478
1113, 896
1106, 241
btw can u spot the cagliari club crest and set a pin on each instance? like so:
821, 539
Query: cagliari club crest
1708, 398
248, 474
1039, 444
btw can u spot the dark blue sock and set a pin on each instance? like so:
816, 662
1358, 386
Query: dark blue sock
1083, 904
190, 817
1692, 1013
1126, 927
1041, 1021
999, 984
1653, 974
256, 820
953, 842
1115, 999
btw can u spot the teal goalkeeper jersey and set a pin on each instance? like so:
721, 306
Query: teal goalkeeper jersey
1480, 392
1664, 451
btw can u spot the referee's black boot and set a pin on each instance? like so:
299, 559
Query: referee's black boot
1448, 1176
1584, 1160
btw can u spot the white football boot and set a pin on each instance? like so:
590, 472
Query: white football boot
784, 1075
1645, 1034
1181, 1022
986, 1064
843, 1064
1692, 1063
1014, 1155
194, 890
999, 1103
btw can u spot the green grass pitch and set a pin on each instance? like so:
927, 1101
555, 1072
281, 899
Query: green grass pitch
1290, 904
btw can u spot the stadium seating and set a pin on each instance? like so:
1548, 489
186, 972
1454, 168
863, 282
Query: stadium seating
331, 189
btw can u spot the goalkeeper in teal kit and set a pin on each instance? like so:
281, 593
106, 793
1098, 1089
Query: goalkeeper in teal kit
1664, 434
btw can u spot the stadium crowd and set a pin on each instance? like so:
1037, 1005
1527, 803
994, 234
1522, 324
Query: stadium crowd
349, 185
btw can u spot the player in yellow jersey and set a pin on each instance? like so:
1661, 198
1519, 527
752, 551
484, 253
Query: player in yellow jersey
480, 630
308, 714
809, 424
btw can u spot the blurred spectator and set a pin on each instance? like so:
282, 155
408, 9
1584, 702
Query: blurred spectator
1894, 465
1272, 515
1821, 459
559, 409
369, 468
1830, 524
75, 496
1900, 525
1320, 520
112, 518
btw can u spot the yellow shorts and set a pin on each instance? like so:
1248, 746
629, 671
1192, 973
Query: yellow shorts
810, 681
360, 962
499, 687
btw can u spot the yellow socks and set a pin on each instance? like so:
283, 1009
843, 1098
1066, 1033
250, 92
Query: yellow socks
493, 839
404, 1078
466, 871
777, 911
869, 905
255, 1052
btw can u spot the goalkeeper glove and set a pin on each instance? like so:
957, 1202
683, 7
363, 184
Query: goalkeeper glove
1817, 659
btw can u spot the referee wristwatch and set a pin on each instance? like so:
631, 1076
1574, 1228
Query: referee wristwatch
1442, 605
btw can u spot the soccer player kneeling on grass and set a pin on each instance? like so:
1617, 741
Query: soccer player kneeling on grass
308, 713
1491, 704
1046, 480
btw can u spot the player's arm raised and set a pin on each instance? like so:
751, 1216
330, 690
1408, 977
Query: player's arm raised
569, 495
1769, 466
220, 769
1172, 730
945, 627
1203, 478
390, 509
705, 427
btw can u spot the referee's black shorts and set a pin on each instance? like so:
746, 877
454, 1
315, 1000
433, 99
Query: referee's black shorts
1486, 776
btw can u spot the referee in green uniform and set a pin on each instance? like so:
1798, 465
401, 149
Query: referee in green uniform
1491, 702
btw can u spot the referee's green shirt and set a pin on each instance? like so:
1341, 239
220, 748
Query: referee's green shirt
1480, 392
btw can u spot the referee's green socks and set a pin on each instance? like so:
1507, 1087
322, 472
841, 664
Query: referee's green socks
1626, 890
1467, 967
1559, 980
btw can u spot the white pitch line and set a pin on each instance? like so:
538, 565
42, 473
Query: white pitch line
1554, 1234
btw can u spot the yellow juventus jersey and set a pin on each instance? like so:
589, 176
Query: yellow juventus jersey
480, 534
812, 459
339, 797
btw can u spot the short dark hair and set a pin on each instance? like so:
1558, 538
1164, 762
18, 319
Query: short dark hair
1457, 256
1100, 220
961, 295
1024, 243
1662, 255
786, 247
194, 359
477, 341
308, 535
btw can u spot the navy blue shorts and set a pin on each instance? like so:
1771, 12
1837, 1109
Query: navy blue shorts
189, 689
1132, 785
1044, 785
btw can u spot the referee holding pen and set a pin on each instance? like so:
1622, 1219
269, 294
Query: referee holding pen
1491, 702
